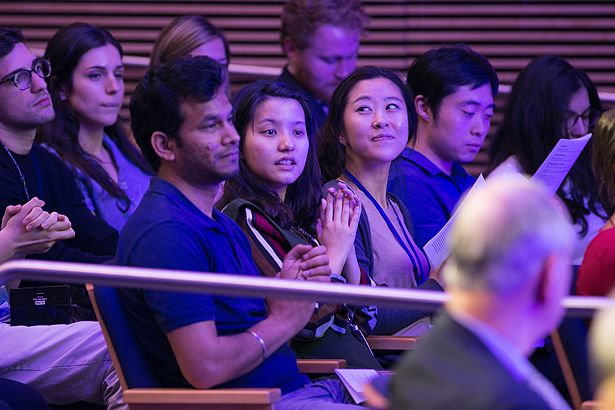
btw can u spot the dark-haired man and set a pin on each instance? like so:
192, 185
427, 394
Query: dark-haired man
26, 169
66, 363
181, 119
454, 88
321, 40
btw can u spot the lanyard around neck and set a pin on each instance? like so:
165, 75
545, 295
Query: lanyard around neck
412, 254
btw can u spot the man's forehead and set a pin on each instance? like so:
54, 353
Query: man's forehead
333, 40
469, 93
19, 57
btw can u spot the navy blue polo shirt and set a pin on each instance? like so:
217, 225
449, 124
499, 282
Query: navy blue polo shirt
168, 231
428, 192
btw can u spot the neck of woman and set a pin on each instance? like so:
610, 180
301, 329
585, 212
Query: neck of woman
91, 141
374, 177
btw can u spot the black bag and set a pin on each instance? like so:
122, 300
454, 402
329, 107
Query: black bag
49, 305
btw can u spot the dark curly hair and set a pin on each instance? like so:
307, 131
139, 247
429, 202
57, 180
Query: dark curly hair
156, 102
8, 38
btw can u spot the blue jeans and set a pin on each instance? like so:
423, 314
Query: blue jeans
322, 395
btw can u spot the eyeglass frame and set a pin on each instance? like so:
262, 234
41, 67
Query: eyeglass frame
13, 77
588, 117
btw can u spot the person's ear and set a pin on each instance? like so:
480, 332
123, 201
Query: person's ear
163, 145
342, 139
546, 281
422, 108
291, 51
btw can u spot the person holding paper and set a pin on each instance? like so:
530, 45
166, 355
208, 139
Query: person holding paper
508, 271
597, 272
454, 87
370, 121
551, 100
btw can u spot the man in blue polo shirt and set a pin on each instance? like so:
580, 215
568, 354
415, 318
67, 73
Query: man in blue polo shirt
181, 119
454, 88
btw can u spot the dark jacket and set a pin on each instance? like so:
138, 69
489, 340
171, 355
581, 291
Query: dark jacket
452, 369
47, 178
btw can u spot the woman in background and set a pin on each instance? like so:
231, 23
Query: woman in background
87, 88
276, 199
550, 100
597, 272
190, 35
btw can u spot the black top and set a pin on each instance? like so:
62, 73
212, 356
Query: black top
50, 180
319, 109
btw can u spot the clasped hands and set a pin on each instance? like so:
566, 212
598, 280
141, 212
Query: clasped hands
28, 229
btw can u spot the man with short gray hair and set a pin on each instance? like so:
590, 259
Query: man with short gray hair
508, 270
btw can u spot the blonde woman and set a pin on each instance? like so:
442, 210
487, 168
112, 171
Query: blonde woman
190, 36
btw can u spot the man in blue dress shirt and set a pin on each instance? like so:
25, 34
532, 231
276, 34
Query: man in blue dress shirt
454, 88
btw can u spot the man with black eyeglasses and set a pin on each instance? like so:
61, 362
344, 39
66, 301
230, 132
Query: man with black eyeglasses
66, 363
27, 170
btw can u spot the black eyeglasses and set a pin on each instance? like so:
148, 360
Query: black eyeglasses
588, 117
22, 79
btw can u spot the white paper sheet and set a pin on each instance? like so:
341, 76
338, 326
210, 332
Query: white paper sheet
355, 380
557, 165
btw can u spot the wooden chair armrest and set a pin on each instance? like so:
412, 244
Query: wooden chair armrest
178, 398
320, 366
392, 342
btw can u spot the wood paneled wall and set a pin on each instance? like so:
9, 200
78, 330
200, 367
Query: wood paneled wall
509, 33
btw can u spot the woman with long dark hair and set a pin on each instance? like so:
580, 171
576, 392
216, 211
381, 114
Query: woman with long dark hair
371, 118
87, 88
276, 199
550, 100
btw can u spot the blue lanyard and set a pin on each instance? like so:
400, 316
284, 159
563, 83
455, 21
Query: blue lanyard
412, 255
